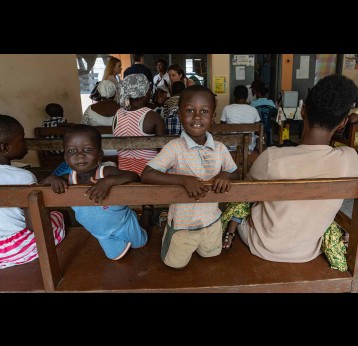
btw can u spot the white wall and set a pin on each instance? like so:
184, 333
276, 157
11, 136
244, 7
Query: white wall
28, 82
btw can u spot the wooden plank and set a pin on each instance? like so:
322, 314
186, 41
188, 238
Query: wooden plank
60, 130
352, 254
221, 128
236, 270
128, 142
266, 190
343, 220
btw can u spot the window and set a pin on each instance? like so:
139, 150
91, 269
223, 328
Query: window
90, 70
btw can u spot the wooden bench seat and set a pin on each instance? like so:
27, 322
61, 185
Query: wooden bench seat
141, 270
235, 270
27, 277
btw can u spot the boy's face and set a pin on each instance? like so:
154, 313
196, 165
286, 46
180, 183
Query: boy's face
196, 114
16, 146
81, 152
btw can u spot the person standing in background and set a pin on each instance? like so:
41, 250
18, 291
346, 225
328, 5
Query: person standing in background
162, 78
112, 72
138, 67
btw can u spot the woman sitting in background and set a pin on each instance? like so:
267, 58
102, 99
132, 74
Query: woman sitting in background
102, 112
176, 73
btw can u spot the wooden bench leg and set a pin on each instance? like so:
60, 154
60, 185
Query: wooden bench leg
352, 249
45, 242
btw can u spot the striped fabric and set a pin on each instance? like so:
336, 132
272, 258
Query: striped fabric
129, 123
183, 156
20, 248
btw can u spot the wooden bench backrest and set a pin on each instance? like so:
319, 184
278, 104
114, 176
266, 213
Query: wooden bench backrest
43, 132
353, 128
152, 142
46, 158
39, 198
257, 128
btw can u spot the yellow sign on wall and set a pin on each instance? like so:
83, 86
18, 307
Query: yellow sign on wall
220, 84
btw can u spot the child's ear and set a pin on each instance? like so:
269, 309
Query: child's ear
4, 148
342, 123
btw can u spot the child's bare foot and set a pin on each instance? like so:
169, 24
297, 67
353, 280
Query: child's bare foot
227, 241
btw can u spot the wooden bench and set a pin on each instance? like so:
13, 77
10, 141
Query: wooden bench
151, 142
349, 141
257, 128
78, 264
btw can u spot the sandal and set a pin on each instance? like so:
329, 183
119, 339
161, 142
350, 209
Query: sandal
163, 219
226, 239
153, 214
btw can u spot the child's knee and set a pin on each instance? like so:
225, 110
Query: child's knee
176, 263
177, 252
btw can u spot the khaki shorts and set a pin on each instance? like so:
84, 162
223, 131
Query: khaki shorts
178, 246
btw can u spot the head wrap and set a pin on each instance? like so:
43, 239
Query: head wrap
133, 87
106, 88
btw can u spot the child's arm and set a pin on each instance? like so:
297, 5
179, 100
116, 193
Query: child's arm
192, 185
58, 184
222, 182
112, 176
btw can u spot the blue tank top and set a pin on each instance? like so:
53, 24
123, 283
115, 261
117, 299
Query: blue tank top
105, 221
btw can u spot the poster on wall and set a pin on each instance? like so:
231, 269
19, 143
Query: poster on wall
303, 71
350, 62
240, 72
220, 84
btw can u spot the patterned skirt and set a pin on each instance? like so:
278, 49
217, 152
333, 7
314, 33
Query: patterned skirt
20, 248
334, 240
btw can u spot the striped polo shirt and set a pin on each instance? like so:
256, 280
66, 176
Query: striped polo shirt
184, 156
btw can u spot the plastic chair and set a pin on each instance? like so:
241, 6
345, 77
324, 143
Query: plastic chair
266, 114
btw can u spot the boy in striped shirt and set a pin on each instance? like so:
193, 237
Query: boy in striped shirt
189, 161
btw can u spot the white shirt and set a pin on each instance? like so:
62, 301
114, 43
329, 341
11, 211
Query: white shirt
241, 114
90, 117
12, 220
161, 83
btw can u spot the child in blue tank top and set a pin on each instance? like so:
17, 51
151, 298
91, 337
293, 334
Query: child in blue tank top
116, 226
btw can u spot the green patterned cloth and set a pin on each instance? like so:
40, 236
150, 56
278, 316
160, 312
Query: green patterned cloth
332, 244
237, 209
334, 248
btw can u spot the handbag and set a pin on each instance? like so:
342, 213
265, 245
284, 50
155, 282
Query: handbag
95, 95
